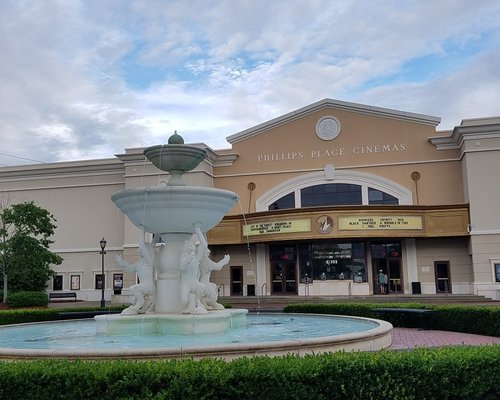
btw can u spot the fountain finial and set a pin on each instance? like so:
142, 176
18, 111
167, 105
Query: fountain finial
175, 139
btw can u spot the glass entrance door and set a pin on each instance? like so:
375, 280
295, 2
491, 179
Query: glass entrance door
386, 262
283, 269
395, 283
284, 278
387, 276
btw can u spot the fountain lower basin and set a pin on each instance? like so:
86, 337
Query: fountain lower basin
264, 334
218, 321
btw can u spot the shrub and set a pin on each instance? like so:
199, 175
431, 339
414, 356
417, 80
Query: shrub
27, 299
20, 316
446, 373
482, 320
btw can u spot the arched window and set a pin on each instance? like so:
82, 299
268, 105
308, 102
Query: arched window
334, 187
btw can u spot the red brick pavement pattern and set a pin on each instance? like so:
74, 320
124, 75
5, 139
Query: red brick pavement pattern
406, 338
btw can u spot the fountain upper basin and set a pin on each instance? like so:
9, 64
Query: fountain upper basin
175, 157
171, 209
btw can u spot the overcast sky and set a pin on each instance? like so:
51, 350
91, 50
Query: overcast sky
86, 79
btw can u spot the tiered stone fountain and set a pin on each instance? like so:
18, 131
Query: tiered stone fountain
175, 311
174, 295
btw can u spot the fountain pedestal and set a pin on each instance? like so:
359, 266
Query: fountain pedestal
168, 292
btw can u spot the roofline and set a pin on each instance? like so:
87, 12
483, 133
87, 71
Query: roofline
341, 105
469, 129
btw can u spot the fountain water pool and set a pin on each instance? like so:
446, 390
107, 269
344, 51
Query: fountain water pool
266, 333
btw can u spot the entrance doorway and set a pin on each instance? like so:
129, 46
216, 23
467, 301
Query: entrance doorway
386, 262
283, 269
391, 267
395, 284
284, 278
442, 274
236, 281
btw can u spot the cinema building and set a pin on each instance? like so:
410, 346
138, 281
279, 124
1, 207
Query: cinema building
332, 196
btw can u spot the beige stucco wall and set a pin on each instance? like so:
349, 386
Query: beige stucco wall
486, 250
78, 194
481, 155
240, 256
454, 250
483, 175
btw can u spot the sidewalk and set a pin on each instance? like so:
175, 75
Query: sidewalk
406, 338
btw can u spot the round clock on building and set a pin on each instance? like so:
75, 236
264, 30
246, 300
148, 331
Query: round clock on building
328, 128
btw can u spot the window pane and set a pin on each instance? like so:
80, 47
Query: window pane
376, 196
332, 194
332, 260
287, 201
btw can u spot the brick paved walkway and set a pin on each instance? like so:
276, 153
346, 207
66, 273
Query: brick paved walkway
406, 338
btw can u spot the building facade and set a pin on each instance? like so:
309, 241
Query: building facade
335, 198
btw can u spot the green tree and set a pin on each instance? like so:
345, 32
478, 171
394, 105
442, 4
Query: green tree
25, 232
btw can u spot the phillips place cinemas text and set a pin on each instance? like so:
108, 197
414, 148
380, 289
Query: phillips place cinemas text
332, 152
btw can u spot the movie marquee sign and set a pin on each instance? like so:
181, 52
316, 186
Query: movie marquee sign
325, 224
385, 222
268, 228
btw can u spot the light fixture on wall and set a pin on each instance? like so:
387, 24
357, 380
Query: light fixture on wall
415, 176
251, 187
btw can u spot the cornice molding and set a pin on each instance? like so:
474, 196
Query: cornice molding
63, 169
469, 129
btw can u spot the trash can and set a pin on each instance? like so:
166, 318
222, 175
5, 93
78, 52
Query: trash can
416, 288
250, 290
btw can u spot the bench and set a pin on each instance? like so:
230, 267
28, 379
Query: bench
85, 314
419, 312
62, 295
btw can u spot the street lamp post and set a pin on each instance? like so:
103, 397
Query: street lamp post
102, 252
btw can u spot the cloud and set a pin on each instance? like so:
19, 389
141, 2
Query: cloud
86, 79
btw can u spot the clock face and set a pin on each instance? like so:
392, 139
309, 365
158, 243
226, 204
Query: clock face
328, 128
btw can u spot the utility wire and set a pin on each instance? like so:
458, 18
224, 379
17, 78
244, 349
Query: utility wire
22, 158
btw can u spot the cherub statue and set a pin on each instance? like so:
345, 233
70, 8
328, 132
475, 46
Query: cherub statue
143, 292
191, 289
209, 298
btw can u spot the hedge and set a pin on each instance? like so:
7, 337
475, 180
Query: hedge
19, 316
482, 320
27, 299
445, 373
